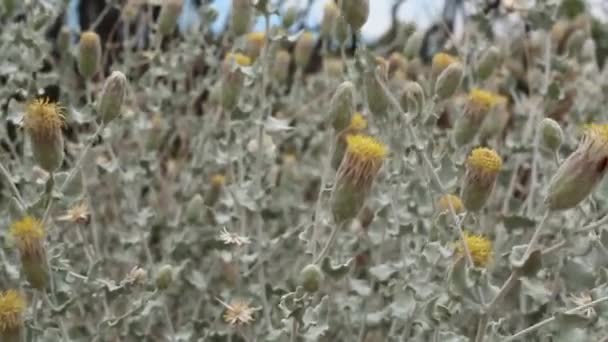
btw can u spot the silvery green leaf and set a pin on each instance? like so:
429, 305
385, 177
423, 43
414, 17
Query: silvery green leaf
516, 221
273, 125
578, 275
336, 271
382, 272
404, 305
360, 286
528, 266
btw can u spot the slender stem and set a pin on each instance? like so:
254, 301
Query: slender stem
12, 185
318, 207
536, 234
481, 328
294, 330
169, 323
552, 318
330, 242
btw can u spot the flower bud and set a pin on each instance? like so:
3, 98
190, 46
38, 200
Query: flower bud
303, 49
440, 62
280, 67
552, 135
255, 43
167, 19
29, 235
233, 78
575, 42
89, 56
12, 309
449, 81
195, 207
412, 97
43, 121
342, 105
581, 172
311, 278
376, 98
397, 66
362, 162
290, 16
413, 44
241, 18
330, 15
64, 38
341, 30
355, 12
496, 120
488, 62
164, 277
217, 183
482, 168
112, 96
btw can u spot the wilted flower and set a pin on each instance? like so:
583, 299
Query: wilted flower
12, 308
28, 234
233, 238
79, 214
43, 121
482, 168
238, 312
480, 248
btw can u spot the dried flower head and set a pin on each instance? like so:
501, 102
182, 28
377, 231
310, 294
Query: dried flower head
136, 276
233, 238
448, 200
12, 307
238, 312
28, 234
79, 214
43, 118
480, 248
363, 158
441, 61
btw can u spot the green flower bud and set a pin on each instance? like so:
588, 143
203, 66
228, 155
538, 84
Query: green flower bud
289, 18
330, 15
488, 62
164, 277
376, 98
63, 40
552, 135
413, 44
342, 105
449, 81
341, 30
575, 42
112, 96
304, 49
89, 57
195, 207
311, 278
412, 97
280, 67
241, 18
167, 19
355, 12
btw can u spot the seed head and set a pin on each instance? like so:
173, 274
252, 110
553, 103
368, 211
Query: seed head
480, 248
12, 307
238, 312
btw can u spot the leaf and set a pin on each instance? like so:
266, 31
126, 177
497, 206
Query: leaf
360, 286
336, 272
382, 272
404, 305
516, 221
528, 266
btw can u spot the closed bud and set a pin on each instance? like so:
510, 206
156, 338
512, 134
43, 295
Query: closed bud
441, 61
397, 66
413, 44
376, 98
488, 62
330, 15
43, 121
449, 81
412, 97
167, 19
342, 105
164, 277
575, 42
341, 30
581, 172
482, 168
311, 278
290, 16
195, 207
303, 49
241, 17
113, 96
89, 54
355, 12
496, 120
280, 67
64, 40
334, 67
552, 135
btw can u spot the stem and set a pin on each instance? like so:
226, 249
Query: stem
330, 242
169, 323
12, 185
317, 218
536, 234
294, 330
481, 328
552, 318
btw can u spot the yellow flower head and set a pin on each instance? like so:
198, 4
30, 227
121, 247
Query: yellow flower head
43, 118
483, 100
28, 234
218, 180
484, 160
12, 306
444, 202
357, 122
363, 159
256, 38
480, 248
441, 61
238, 58
89, 39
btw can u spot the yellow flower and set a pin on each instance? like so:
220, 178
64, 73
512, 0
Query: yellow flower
363, 159
441, 61
238, 312
28, 233
43, 118
443, 204
480, 248
484, 160
256, 37
218, 180
239, 59
483, 100
357, 122
12, 306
